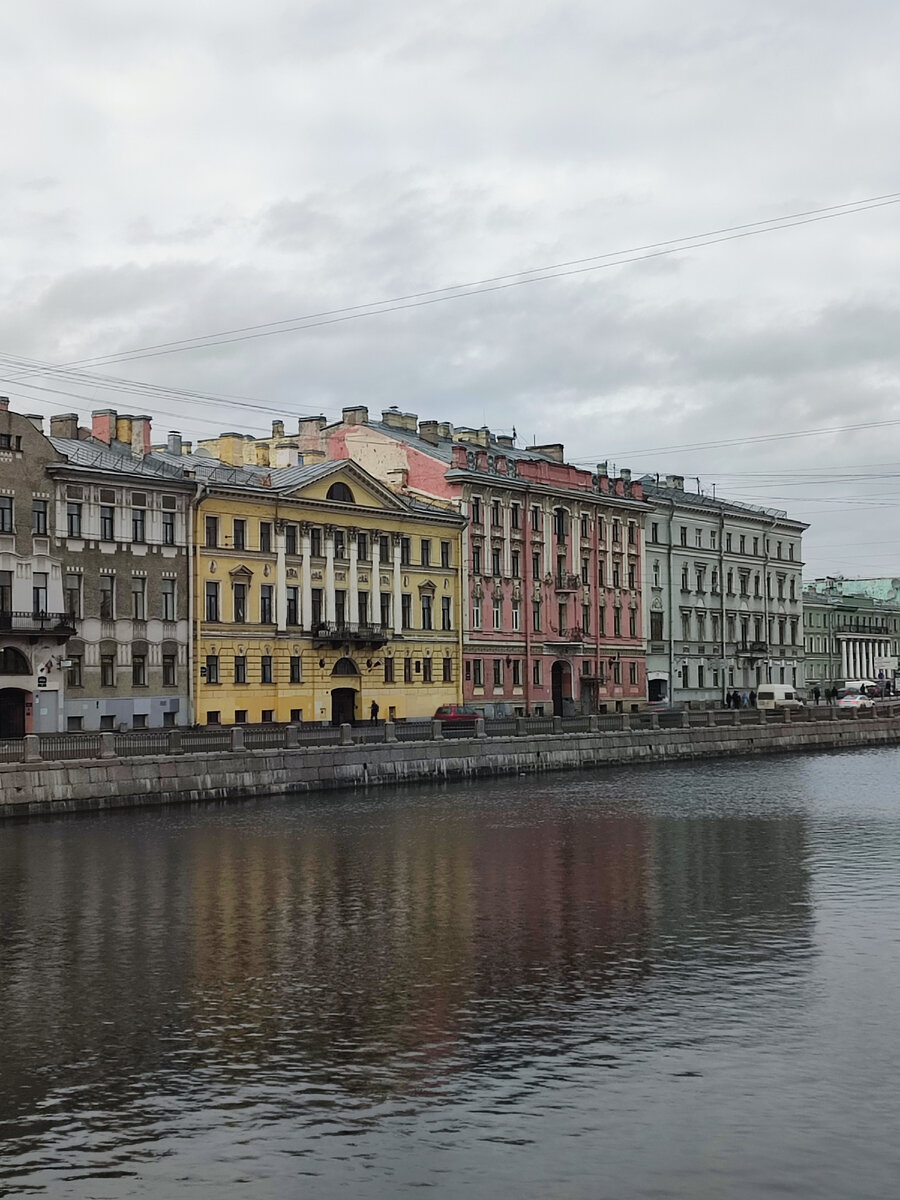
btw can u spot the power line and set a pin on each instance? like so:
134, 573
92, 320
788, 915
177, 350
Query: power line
496, 283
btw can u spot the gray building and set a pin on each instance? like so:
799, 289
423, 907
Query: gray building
723, 595
34, 624
848, 634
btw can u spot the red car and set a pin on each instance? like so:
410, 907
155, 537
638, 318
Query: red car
457, 714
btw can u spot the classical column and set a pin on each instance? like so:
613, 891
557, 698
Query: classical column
329, 574
353, 588
280, 578
507, 539
397, 607
305, 579
845, 661
375, 591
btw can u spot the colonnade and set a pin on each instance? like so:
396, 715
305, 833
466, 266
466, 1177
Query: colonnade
858, 656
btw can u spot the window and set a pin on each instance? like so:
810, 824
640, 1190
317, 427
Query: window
267, 715
265, 604
38, 516
384, 547
407, 670
478, 672
656, 626
498, 614
212, 601
536, 518
168, 528
405, 552
74, 724
476, 614
756, 545
240, 668
476, 560
632, 673
536, 615
514, 516
107, 523
536, 672
239, 535
517, 672
406, 610
516, 615
427, 676
712, 539
656, 575
516, 564
742, 544
212, 531
698, 537
239, 599
586, 618
73, 519
560, 524
265, 669
265, 536
495, 564
340, 548
684, 535
496, 515
728, 541
362, 546
498, 672
107, 670
425, 552
295, 669
447, 672
340, 606
384, 605
167, 595
654, 532
476, 510
427, 601
446, 612
445, 554
617, 622
168, 670
632, 623
316, 607
617, 672
73, 594
139, 670
315, 543
388, 670
138, 598
536, 566
585, 570
73, 672
107, 597
138, 525
290, 539
631, 579
685, 580
240, 716
39, 591
292, 616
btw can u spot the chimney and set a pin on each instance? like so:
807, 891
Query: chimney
123, 429
231, 449
36, 419
398, 479
263, 456
355, 414
504, 440
553, 451
140, 436
428, 432
626, 474
65, 425
393, 417
103, 424
277, 429
445, 429
675, 482
311, 424
287, 454
173, 444
4, 403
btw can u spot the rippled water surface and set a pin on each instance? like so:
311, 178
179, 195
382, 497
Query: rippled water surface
666, 982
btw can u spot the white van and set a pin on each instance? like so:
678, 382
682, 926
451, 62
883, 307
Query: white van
777, 695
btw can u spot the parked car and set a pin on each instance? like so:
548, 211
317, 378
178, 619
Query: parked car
856, 700
777, 695
457, 714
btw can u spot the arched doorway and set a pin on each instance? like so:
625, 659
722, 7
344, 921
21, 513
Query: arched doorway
561, 687
12, 712
343, 698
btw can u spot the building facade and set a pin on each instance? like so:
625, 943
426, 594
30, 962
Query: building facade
320, 593
849, 635
552, 573
724, 595
35, 624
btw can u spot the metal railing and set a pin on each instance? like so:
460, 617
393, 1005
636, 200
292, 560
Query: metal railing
54, 747
59, 624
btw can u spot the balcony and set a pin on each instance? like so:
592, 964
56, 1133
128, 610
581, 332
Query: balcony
337, 633
58, 625
567, 583
752, 649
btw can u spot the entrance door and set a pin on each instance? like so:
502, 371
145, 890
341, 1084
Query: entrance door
560, 684
343, 706
656, 689
12, 713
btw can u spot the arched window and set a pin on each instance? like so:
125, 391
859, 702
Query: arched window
345, 666
13, 662
340, 491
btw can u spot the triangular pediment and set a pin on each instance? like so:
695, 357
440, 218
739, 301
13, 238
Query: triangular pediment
241, 573
346, 486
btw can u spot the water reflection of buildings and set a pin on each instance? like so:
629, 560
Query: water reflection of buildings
359, 944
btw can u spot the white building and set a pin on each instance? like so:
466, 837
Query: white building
723, 595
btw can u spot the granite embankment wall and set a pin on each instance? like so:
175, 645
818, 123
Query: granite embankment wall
54, 787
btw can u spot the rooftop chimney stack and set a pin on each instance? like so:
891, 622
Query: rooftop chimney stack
4, 403
140, 436
355, 414
64, 425
173, 443
428, 432
103, 424
277, 429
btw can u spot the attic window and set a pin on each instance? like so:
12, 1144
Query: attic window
341, 493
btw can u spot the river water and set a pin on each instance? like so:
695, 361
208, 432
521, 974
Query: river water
678, 981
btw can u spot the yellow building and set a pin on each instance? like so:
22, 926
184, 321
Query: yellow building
319, 593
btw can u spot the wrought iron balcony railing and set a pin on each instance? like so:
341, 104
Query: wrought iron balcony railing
58, 624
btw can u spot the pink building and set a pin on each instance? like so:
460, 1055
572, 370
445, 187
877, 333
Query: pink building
552, 576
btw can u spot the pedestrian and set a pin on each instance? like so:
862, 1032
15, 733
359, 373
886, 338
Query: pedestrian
728, 698
373, 712
744, 700
817, 695
752, 699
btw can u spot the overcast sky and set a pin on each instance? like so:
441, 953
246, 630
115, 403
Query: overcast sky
175, 169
